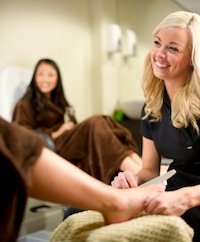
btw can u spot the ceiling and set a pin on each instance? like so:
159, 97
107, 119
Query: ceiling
190, 5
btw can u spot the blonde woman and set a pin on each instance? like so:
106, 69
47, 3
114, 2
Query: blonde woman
170, 123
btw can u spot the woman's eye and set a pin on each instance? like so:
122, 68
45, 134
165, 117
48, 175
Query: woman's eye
156, 42
39, 73
51, 75
174, 49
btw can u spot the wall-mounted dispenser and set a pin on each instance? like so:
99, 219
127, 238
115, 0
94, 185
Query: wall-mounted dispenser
113, 38
129, 43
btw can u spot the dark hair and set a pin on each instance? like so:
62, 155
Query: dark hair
38, 99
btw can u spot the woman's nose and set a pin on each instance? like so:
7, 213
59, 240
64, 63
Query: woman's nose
161, 53
45, 78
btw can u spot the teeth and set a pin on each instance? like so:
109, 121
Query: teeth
160, 65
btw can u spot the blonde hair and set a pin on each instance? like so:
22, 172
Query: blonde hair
186, 103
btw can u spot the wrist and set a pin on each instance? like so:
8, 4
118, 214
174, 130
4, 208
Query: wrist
192, 196
53, 135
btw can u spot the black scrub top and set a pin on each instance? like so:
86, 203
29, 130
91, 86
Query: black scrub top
183, 147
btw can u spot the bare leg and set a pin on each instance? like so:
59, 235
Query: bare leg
131, 163
57, 180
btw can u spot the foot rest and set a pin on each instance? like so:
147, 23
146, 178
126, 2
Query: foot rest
40, 236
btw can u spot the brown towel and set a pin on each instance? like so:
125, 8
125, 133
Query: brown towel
19, 149
97, 145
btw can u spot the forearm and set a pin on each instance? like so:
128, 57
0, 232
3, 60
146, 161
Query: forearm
191, 196
64, 127
55, 135
146, 175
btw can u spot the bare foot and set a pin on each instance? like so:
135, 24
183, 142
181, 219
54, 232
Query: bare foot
130, 202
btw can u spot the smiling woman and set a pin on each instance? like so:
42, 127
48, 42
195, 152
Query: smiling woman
170, 56
46, 79
170, 125
84, 144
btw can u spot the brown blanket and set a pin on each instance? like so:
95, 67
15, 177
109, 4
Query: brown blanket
16, 157
97, 145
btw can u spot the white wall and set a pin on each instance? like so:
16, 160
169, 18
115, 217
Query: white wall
142, 19
60, 30
117, 79
72, 32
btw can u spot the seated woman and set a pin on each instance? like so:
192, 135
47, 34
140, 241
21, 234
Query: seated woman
99, 145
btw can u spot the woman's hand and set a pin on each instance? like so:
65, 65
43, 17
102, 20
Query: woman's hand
62, 129
125, 180
168, 203
66, 126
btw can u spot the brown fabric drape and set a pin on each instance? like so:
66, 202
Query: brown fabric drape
97, 145
19, 149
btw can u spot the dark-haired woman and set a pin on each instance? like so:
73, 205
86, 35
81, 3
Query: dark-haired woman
99, 145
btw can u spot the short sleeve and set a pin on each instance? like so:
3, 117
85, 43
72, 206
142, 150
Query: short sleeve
145, 127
